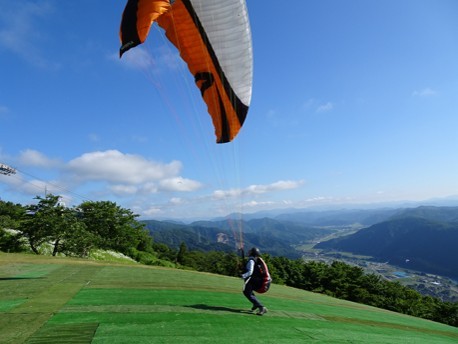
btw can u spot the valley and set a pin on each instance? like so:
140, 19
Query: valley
441, 287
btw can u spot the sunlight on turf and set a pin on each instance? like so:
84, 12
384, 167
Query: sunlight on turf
77, 302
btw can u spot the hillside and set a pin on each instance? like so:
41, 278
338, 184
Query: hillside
422, 238
271, 236
408, 241
44, 300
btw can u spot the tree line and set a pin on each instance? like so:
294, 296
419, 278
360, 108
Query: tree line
48, 226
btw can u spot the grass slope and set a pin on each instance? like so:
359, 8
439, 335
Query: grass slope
57, 300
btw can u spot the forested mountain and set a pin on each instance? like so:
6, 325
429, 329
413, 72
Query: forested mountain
423, 238
195, 237
271, 236
409, 240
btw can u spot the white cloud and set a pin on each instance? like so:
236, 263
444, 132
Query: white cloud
176, 200
179, 184
426, 92
33, 187
128, 174
105, 174
258, 189
256, 204
221, 194
137, 57
149, 188
31, 157
11, 182
154, 61
152, 211
146, 186
113, 166
284, 185
325, 107
124, 189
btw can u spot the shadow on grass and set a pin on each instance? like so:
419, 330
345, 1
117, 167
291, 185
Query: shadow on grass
18, 278
219, 309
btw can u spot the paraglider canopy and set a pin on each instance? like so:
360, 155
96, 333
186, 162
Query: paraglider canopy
214, 39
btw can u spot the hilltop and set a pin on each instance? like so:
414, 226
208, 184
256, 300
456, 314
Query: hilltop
61, 300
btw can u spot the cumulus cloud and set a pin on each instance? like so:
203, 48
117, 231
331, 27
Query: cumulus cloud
104, 174
129, 174
137, 183
115, 167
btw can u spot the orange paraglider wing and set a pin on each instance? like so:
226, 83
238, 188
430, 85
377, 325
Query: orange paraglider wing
214, 39
137, 18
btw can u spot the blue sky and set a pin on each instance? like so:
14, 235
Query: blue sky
354, 102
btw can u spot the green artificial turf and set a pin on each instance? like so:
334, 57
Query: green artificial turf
73, 301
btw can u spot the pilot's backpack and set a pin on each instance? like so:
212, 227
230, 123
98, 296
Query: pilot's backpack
261, 273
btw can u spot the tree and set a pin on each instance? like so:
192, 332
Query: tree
182, 253
11, 216
73, 238
113, 227
447, 313
43, 222
49, 221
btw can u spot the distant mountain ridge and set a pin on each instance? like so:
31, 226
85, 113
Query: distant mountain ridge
340, 217
423, 238
442, 214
